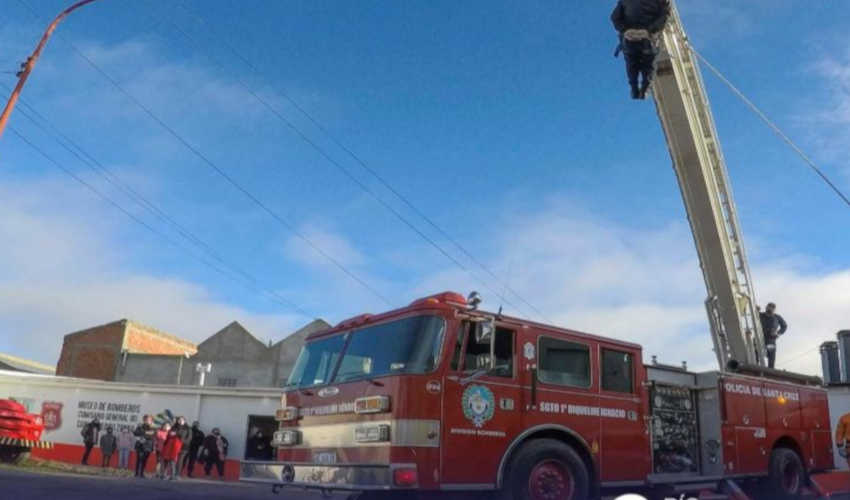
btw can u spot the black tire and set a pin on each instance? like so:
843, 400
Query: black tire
786, 474
545, 468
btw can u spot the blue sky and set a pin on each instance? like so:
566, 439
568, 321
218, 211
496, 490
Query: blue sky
507, 123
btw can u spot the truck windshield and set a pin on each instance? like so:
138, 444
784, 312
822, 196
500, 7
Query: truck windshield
409, 345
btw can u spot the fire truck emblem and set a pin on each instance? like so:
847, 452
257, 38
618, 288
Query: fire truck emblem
51, 413
528, 351
478, 404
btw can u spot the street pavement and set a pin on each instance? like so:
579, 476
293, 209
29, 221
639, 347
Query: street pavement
24, 485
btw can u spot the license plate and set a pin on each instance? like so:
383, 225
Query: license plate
325, 458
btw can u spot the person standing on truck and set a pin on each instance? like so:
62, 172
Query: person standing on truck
108, 443
772, 326
89, 433
637, 22
195, 444
146, 433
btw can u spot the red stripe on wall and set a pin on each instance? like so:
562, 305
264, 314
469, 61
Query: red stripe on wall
73, 454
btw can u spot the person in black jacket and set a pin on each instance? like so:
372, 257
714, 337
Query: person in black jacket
637, 21
259, 447
772, 326
146, 432
195, 443
215, 452
89, 433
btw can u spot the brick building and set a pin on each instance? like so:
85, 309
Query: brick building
125, 351
97, 352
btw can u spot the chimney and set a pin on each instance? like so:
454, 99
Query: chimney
844, 354
829, 362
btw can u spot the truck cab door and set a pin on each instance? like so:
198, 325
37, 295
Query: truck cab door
480, 408
624, 446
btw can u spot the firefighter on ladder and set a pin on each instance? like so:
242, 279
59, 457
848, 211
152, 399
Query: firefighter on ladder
637, 22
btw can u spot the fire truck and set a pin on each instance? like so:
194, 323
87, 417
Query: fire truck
440, 397
20, 432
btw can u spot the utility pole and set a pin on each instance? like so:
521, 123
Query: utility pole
27, 66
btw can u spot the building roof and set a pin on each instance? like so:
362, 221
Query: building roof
183, 343
15, 363
125, 324
316, 325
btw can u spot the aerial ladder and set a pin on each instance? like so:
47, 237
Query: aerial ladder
688, 124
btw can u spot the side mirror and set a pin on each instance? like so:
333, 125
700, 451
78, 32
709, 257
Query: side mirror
484, 332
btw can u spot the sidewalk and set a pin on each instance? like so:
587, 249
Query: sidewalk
40, 466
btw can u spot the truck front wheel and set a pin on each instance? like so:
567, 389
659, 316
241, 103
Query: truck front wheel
786, 476
547, 469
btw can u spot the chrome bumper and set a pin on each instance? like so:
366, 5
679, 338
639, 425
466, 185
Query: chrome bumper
355, 477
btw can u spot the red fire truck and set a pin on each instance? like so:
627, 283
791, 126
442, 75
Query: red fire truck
19, 432
437, 396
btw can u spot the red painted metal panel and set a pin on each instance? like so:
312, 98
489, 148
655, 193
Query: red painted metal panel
782, 406
752, 450
821, 450
743, 402
815, 409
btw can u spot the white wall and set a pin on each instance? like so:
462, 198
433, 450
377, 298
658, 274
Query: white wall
122, 404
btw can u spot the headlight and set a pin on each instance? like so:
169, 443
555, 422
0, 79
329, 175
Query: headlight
372, 404
287, 437
372, 433
287, 414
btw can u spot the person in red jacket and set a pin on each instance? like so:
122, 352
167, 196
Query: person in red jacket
170, 452
161, 436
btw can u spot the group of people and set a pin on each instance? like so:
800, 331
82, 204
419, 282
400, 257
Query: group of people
176, 447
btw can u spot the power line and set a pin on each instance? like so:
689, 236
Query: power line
365, 166
76, 150
798, 356
135, 218
782, 135
218, 169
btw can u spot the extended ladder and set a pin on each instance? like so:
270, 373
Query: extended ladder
688, 124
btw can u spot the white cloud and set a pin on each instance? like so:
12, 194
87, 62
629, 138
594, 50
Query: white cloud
645, 286
66, 270
331, 243
829, 116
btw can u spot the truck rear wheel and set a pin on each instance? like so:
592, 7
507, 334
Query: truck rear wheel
547, 469
13, 454
786, 475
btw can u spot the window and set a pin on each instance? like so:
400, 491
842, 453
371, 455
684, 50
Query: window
564, 363
226, 382
461, 332
616, 371
478, 355
409, 345
316, 361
